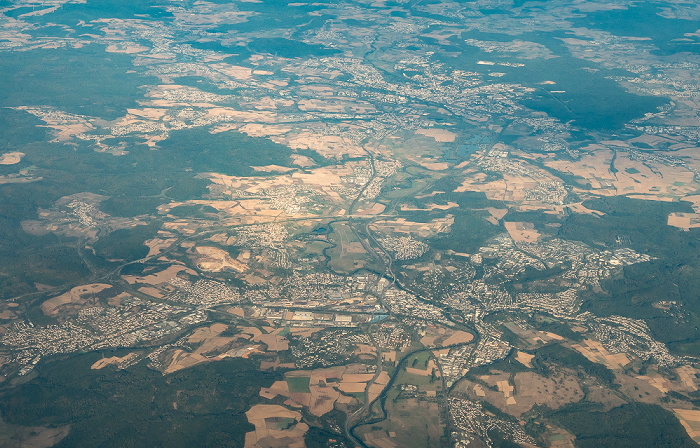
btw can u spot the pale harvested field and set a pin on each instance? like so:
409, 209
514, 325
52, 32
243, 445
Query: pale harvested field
449, 205
365, 349
158, 245
329, 146
264, 436
237, 115
522, 231
695, 199
126, 48
273, 340
67, 131
321, 398
262, 130
104, 362
525, 358
639, 389
688, 377
254, 280
151, 291
458, 337
529, 389
657, 381
209, 342
374, 209
73, 297
277, 388
11, 158
441, 336
352, 387
496, 214
321, 105
430, 164
595, 351
690, 419
684, 221
357, 377
302, 161
423, 230
507, 390
440, 135
8, 310
250, 333
357, 383
272, 169
655, 181
236, 311
148, 112
374, 391
424, 372
326, 374
531, 336
181, 359
553, 336
117, 300
389, 356
511, 188
159, 277
321, 180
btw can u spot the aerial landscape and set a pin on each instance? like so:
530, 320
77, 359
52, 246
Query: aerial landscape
349, 223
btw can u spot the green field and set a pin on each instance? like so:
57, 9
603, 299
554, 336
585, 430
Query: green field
298, 384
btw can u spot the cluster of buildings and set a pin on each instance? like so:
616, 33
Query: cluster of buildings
454, 363
382, 170
83, 212
547, 190
353, 184
586, 266
319, 290
490, 348
203, 292
270, 236
561, 304
470, 419
131, 323
392, 336
404, 247
326, 348
480, 295
300, 318
510, 260
404, 303
293, 199
632, 336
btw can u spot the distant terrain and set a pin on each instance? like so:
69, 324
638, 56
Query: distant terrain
385, 224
